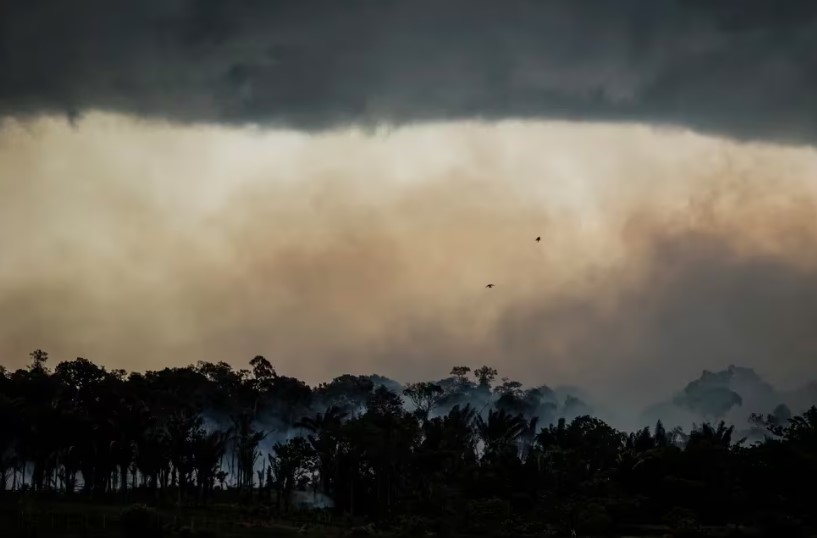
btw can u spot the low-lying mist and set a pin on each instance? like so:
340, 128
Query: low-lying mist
144, 244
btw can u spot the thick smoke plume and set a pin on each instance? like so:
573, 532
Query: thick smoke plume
744, 68
141, 244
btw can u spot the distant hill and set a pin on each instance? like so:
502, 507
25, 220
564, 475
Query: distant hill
730, 395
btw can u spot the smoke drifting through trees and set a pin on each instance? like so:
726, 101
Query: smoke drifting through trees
83, 431
139, 243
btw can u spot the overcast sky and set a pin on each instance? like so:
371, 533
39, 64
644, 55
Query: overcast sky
332, 184
740, 67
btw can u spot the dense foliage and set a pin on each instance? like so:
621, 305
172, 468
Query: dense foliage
422, 456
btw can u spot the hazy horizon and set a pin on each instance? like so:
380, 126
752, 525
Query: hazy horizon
141, 244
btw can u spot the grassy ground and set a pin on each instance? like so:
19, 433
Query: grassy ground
64, 518
70, 518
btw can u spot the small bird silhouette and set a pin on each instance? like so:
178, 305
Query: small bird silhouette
489, 285
538, 239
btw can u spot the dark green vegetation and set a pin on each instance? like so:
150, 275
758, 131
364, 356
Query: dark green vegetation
209, 451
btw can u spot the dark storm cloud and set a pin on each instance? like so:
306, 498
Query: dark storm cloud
743, 68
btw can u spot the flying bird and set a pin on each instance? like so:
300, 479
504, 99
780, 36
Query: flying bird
490, 285
538, 238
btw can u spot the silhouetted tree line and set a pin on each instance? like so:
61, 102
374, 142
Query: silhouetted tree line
427, 458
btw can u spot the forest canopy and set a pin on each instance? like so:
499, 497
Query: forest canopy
467, 451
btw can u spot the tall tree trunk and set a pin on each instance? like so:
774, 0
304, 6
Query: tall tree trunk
123, 480
87, 481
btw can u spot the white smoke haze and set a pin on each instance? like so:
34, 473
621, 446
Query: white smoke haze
140, 244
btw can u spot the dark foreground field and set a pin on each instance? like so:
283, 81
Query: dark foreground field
46, 518
27, 516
